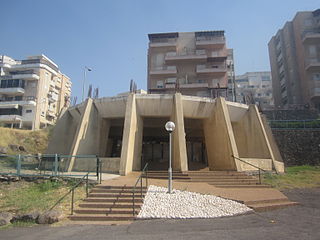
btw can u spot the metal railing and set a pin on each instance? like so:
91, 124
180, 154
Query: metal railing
252, 165
50, 165
84, 178
144, 171
295, 124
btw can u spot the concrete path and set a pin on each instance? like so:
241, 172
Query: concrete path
297, 222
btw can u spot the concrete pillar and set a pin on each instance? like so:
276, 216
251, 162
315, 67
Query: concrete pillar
132, 138
219, 139
81, 131
180, 159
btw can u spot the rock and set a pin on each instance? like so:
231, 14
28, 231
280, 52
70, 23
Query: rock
3, 150
50, 217
33, 216
14, 147
5, 218
22, 149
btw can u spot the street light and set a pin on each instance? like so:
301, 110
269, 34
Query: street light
84, 80
170, 126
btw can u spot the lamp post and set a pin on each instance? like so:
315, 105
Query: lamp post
84, 80
170, 126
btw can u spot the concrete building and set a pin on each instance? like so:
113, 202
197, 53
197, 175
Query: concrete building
255, 88
32, 92
192, 63
128, 131
295, 62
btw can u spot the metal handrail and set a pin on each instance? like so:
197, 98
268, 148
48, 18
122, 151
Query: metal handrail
144, 170
260, 169
84, 178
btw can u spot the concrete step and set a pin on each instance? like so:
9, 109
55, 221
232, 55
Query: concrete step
108, 205
96, 217
221, 177
106, 211
240, 186
123, 188
275, 200
114, 191
224, 180
116, 195
261, 207
113, 200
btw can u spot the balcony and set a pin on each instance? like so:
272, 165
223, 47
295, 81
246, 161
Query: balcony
166, 70
312, 64
14, 90
211, 69
16, 103
186, 56
311, 37
51, 113
10, 118
210, 42
162, 42
52, 97
315, 92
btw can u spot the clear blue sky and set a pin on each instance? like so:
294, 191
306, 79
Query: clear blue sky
111, 36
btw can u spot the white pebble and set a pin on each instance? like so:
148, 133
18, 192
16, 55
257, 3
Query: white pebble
183, 204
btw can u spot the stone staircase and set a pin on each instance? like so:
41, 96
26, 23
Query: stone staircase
109, 203
270, 204
224, 179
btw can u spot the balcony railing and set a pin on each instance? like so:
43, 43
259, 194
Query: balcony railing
14, 90
312, 63
186, 55
163, 42
207, 40
164, 70
211, 69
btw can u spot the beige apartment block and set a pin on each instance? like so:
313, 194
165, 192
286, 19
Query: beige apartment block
33, 92
192, 63
128, 131
295, 62
255, 88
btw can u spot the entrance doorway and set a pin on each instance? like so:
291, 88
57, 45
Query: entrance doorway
196, 149
155, 144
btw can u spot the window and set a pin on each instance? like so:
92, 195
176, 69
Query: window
28, 111
265, 78
312, 50
316, 77
308, 22
159, 84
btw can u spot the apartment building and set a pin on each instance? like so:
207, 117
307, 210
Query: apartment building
231, 77
295, 62
32, 92
192, 63
255, 88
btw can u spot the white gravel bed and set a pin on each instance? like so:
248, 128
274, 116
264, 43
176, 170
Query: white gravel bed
183, 204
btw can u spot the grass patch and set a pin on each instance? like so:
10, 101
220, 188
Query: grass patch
24, 197
295, 177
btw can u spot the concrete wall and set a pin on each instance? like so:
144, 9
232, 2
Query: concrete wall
63, 134
249, 136
219, 138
